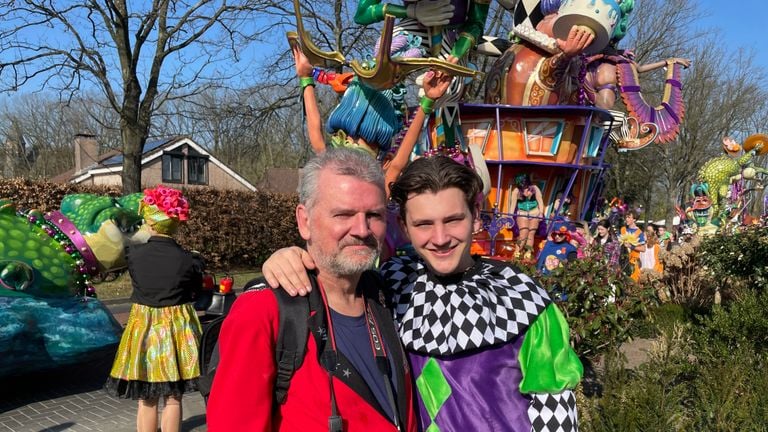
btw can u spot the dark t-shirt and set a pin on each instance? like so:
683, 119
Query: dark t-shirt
353, 340
163, 273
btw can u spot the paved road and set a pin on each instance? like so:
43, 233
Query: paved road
71, 399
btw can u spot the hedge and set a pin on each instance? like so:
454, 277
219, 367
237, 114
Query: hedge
231, 229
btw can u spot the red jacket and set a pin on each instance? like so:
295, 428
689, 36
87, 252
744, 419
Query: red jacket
242, 395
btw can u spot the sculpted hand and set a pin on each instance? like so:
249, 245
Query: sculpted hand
436, 83
287, 268
578, 40
681, 61
431, 12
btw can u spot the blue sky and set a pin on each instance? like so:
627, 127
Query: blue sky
742, 23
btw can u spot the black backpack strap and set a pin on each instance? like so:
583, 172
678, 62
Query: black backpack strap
292, 336
208, 355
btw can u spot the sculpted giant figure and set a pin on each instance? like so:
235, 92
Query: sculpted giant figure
534, 71
542, 70
718, 173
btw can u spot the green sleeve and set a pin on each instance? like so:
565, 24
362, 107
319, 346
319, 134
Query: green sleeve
547, 360
472, 29
372, 11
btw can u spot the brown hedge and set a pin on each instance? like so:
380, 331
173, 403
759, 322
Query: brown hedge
232, 230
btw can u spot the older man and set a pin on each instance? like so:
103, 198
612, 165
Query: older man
488, 348
354, 375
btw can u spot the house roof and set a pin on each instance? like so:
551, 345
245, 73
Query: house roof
68, 175
112, 161
149, 146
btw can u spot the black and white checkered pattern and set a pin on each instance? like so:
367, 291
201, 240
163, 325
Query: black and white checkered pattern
527, 12
492, 46
553, 412
492, 303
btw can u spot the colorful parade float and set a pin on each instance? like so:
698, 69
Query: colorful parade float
49, 315
725, 188
541, 136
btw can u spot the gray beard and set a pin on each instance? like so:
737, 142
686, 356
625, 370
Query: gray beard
337, 265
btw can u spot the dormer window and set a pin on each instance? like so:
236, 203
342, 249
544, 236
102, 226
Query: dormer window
197, 167
172, 167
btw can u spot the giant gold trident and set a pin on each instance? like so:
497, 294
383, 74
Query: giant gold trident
388, 70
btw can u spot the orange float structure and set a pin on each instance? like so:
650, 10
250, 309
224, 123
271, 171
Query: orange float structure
561, 147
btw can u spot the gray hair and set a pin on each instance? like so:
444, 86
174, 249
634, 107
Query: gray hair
343, 161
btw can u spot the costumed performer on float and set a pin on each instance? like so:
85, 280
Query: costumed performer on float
158, 353
527, 202
487, 346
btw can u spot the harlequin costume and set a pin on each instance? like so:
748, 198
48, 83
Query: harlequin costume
488, 348
242, 397
158, 351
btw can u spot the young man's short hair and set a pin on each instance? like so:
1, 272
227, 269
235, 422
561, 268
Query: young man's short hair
434, 174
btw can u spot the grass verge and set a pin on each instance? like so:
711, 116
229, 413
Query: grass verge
119, 286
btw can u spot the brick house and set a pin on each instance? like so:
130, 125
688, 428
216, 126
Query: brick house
176, 161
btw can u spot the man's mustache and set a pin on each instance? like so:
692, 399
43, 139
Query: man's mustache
369, 241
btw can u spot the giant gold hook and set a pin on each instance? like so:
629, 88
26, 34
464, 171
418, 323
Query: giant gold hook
391, 70
316, 56
387, 71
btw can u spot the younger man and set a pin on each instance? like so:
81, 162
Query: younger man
487, 346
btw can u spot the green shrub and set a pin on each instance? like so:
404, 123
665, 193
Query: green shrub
601, 306
738, 259
651, 398
740, 323
706, 370
683, 387
729, 392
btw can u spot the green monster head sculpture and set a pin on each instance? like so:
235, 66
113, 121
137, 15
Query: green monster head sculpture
54, 254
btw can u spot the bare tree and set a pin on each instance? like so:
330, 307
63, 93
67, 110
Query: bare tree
137, 58
250, 130
39, 132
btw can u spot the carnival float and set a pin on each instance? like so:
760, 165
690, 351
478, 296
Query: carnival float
49, 315
725, 187
548, 117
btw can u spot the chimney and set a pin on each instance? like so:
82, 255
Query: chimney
86, 151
